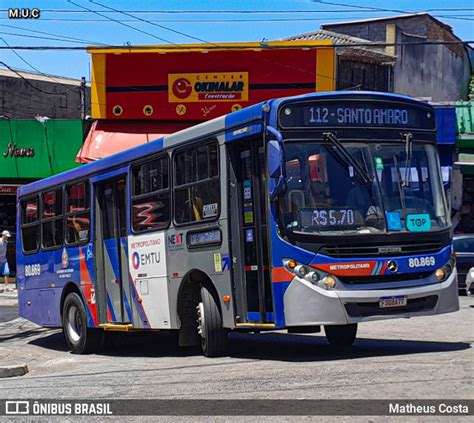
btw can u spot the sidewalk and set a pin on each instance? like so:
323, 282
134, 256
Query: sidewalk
8, 298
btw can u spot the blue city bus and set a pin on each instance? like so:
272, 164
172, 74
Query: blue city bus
325, 209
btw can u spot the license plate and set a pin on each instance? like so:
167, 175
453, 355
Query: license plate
397, 301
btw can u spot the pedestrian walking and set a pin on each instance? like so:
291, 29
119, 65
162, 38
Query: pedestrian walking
4, 269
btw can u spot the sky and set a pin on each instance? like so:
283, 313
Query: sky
185, 21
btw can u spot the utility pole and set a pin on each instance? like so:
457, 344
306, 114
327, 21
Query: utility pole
82, 91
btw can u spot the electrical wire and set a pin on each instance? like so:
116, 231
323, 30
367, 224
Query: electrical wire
54, 35
28, 82
120, 23
36, 69
360, 8
200, 12
172, 47
152, 23
43, 38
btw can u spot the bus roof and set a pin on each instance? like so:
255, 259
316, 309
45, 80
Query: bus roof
219, 124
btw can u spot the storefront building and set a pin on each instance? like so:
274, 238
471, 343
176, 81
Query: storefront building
464, 165
32, 150
139, 94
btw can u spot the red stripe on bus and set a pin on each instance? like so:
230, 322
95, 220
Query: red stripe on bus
249, 268
280, 274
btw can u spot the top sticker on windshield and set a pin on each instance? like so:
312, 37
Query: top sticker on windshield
418, 222
378, 163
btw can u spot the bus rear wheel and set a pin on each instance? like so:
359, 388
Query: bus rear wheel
209, 319
341, 335
80, 338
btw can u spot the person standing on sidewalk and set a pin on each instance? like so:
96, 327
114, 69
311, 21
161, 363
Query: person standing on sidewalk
4, 269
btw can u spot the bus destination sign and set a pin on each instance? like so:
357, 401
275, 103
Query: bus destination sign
356, 114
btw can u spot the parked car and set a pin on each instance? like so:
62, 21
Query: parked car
464, 248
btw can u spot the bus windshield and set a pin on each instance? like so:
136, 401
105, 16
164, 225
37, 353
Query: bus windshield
361, 188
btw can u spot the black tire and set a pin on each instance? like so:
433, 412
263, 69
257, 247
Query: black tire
213, 335
79, 338
341, 336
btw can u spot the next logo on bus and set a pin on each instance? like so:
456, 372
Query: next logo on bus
175, 241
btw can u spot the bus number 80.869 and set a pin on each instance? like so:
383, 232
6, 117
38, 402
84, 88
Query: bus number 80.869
421, 261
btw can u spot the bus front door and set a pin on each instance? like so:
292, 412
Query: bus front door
111, 253
248, 226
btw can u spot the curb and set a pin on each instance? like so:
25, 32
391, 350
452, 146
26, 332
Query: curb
12, 371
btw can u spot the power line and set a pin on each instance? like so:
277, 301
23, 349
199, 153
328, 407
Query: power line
131, 47
152, 23
367, 9
35, 68
28, 82
120, 23
54, 35
360, 8
43, 38
21, 57
219, 20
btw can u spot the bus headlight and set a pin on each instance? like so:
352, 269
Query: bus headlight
309, 274
440, 274
314, 277
301, 270
328, 282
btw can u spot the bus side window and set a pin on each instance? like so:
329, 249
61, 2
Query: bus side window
52, 219
151, 195
78, 219
30, 225
197, 188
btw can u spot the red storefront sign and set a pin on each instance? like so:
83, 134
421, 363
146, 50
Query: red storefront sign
9, 189
200, 82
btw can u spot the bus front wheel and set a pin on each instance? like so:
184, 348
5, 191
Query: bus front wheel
80, 338
209, 318
341, 335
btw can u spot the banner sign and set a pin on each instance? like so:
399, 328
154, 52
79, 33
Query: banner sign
196, 83
197, 87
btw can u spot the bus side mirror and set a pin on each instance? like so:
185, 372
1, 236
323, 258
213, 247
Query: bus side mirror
274, 159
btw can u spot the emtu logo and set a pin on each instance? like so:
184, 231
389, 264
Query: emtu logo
182, 88
136, 260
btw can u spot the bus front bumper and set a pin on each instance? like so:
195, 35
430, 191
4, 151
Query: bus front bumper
306, 304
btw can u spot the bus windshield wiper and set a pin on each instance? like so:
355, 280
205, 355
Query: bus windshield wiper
408, 157
346, 156
400, 183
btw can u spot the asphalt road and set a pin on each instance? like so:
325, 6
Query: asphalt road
8, 312
422, 358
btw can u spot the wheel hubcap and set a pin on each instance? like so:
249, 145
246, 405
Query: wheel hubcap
74, 324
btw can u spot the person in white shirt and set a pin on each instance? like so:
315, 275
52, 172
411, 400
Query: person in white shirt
4, 269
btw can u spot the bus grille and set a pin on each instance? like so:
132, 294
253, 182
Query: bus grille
373, 309
382, 250
398, 277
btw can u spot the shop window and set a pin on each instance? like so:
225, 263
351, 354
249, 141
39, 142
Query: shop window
78, 220
151, 195
197, 189
52, 219
30, 226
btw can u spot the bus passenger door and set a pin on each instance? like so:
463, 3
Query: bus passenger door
248, 220
111, 254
